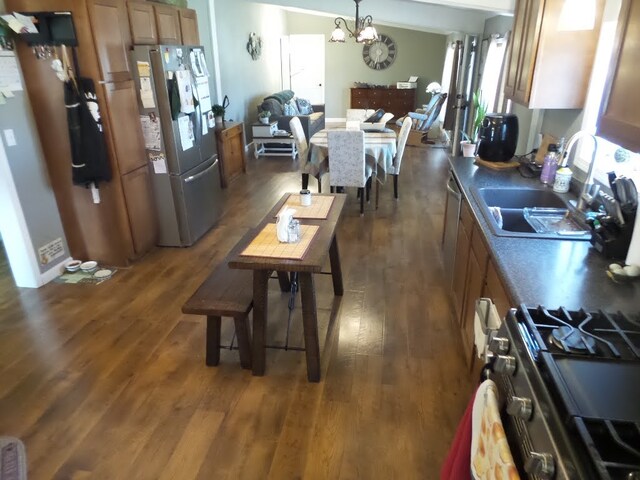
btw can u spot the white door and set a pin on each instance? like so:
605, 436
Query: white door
306, 67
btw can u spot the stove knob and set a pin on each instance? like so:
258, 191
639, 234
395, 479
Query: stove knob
505, 364
499, 345
541, 465
520, 407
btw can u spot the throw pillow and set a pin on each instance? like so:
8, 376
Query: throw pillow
290, 108
304, 106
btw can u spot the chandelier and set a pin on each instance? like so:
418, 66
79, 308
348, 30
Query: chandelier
363, 31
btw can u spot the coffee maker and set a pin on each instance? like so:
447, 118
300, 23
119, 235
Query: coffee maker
498, 137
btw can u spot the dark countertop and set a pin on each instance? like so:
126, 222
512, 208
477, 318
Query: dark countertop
537, 271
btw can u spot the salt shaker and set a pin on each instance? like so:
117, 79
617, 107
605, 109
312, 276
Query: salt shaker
293, 231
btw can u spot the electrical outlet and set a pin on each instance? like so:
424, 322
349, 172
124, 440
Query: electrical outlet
9, 137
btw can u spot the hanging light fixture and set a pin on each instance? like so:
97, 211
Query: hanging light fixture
363, 31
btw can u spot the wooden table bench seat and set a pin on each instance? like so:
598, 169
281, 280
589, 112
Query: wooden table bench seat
225, 293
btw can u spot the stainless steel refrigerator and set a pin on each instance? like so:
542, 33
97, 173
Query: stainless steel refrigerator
180, 144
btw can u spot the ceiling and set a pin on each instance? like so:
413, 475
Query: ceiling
437, 16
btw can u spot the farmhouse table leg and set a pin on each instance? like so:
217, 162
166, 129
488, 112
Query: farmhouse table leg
260, 309
336, 269
310, 324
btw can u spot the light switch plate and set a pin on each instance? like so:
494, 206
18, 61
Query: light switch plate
9, 137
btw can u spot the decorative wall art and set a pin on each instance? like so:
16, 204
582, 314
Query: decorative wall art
254, 46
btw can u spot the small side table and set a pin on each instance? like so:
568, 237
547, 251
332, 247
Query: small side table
230, 142
272, 145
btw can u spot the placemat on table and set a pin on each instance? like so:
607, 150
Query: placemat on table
319, 208
266, 243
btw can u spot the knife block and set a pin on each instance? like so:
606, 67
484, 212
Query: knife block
614, 247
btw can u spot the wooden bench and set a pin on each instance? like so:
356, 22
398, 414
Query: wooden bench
227, 292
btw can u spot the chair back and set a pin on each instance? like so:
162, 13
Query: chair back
301, 141
346, 158
403, 136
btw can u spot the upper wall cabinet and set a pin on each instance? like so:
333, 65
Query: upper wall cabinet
168, 23
111, 35
189, 26
143, 23
551, 55
620, 115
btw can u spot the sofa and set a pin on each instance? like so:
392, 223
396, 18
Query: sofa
277, 104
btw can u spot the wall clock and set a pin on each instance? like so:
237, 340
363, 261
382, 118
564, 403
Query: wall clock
381, 53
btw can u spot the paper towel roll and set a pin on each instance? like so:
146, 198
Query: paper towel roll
633, 256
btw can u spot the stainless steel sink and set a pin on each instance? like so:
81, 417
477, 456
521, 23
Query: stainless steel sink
512, 202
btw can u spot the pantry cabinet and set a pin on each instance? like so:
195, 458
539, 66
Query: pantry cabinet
110, 28
620, 115
551, 53
189, 26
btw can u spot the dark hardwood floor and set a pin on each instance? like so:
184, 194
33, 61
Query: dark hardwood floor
109, 381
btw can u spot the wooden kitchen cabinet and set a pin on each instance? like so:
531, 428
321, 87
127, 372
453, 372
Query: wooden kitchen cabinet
474, 289
110, 27
142, 21
136, 186
168, 25
549, 64
189, 26
463, 244
619, 119
124, 122
495, 290
230, 142
398, 101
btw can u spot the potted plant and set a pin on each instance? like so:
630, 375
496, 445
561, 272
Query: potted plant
480, 111
218, 114
264, 116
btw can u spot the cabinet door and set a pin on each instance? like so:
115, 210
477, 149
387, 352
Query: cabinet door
515, 39
528, 50
494, 289
189, 26
140, 209
112, 40
168, 23
143, 23
620, 116
124, 124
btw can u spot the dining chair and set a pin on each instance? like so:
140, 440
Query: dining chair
348, 166
397, 160
306, 167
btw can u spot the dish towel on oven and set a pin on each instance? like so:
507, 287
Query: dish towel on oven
456, 465
490, 453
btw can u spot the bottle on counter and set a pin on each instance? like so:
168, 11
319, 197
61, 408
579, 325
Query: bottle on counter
550, 165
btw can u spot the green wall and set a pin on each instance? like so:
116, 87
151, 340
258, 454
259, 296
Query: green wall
419, 53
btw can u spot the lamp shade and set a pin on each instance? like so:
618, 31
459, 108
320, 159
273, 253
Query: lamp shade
337, 35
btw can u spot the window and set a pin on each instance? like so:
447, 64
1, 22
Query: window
609, 157
491, 72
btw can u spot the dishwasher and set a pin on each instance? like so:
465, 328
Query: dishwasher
450, 233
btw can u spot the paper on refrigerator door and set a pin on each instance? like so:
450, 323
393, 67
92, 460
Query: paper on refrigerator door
204, 97
151, 132
146, 94
205, 129
185, 126
185, 91
159, 162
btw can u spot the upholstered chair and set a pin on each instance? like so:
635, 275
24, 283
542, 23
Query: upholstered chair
397, 160
348, 166
306, 168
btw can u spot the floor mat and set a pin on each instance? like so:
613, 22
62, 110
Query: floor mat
13, 459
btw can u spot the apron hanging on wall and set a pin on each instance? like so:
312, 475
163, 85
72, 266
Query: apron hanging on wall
89, 159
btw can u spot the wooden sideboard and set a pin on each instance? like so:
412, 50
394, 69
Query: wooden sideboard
395, 100
230, 142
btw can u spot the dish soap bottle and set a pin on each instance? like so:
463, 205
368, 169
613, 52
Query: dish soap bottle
550, 165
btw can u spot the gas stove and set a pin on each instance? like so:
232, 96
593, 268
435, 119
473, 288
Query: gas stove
570, 385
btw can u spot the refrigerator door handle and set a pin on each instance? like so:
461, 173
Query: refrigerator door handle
198, 175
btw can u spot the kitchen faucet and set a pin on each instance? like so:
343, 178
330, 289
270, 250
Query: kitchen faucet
589, 191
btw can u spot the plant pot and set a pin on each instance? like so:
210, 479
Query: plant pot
264, 120
468, 148
219, 121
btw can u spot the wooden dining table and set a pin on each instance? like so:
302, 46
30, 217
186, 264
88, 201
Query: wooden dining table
380, 145
324, 243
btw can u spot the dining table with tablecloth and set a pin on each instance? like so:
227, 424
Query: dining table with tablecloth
380, 145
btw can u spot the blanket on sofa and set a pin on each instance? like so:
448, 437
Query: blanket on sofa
282, 97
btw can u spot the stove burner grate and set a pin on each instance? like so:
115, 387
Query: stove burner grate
571, 339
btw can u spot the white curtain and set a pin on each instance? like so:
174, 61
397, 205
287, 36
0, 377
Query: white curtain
492, 73
446, 77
